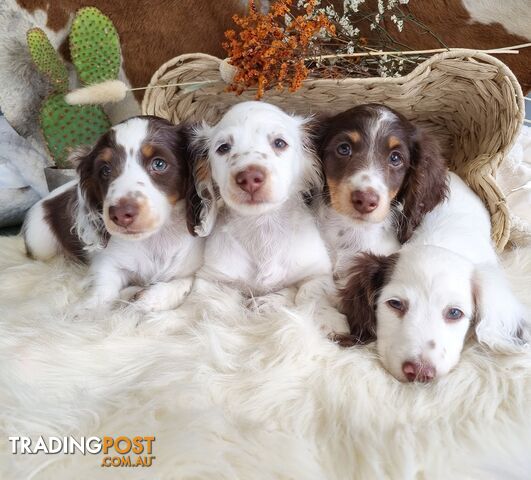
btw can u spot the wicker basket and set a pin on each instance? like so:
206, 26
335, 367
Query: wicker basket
469, 100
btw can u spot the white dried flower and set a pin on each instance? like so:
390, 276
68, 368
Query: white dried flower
352, 5
381, 8
391, 4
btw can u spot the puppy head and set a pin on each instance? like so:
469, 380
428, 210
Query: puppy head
424, 312
419, 304
373, 155
257, 156
134, 175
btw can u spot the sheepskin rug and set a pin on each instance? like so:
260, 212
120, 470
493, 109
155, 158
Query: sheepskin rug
234, 395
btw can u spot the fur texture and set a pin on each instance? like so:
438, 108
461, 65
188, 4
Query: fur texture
234, 395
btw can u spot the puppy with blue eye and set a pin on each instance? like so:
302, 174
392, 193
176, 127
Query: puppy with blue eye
125, 217
258, 160
382, 175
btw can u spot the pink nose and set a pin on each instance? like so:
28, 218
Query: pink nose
365, 201
251, 179
418, 372
124, 213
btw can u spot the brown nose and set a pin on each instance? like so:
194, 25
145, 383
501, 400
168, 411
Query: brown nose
124, 213
251, 179
365, 201
418, 372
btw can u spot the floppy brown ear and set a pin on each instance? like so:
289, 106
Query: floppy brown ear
89, 224
425, 185
358, 298
201, 197
317, 129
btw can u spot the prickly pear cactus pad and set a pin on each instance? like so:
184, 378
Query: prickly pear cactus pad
94, 46
47, 59
66, 126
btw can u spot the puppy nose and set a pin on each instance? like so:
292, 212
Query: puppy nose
365, 201
419, 372
250, 179
124, 213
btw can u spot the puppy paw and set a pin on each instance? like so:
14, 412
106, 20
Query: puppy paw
331, 322
161, 296
271, 301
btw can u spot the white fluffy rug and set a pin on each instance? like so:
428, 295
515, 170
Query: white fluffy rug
235, 396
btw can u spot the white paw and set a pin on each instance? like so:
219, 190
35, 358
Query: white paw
331, 322
161, 296
271, 301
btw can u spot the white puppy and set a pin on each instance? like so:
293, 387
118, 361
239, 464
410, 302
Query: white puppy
265, 239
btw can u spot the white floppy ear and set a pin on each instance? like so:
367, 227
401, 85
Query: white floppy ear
202, 201
500, 318
312, 171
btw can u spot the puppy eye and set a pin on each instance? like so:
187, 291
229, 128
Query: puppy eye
453, 314
395, 159
396, 304
158, 164
344, 149
279, 143
223, 148
105, 171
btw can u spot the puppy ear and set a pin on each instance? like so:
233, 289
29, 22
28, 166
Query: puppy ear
366, 278
425, 185
89, 224
499, 318
201, 196
312, 170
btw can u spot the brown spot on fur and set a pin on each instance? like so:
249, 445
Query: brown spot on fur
432, 344
355, 136
147, 150
367, 277
59, 213
202, 170
394, 142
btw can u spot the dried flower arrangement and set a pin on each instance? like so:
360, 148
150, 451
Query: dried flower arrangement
322, 39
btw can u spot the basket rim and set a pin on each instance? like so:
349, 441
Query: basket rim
505, 79
466, 54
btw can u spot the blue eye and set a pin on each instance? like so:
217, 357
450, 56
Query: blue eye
158, 164
396, 304
395, 159
344, 149
105, 171
453, 314
279, 143
223, 148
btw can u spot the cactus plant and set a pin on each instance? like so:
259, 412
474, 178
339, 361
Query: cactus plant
95, 50
47, 60
94, 46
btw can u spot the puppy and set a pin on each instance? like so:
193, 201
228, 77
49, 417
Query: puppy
125, 217
265, 239
420, 303
382, 176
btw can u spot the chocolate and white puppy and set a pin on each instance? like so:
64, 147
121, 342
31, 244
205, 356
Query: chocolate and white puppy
125, 217
383, 174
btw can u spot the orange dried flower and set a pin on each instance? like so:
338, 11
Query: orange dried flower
269, 52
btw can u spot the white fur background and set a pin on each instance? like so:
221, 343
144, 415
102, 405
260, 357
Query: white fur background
229, 395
